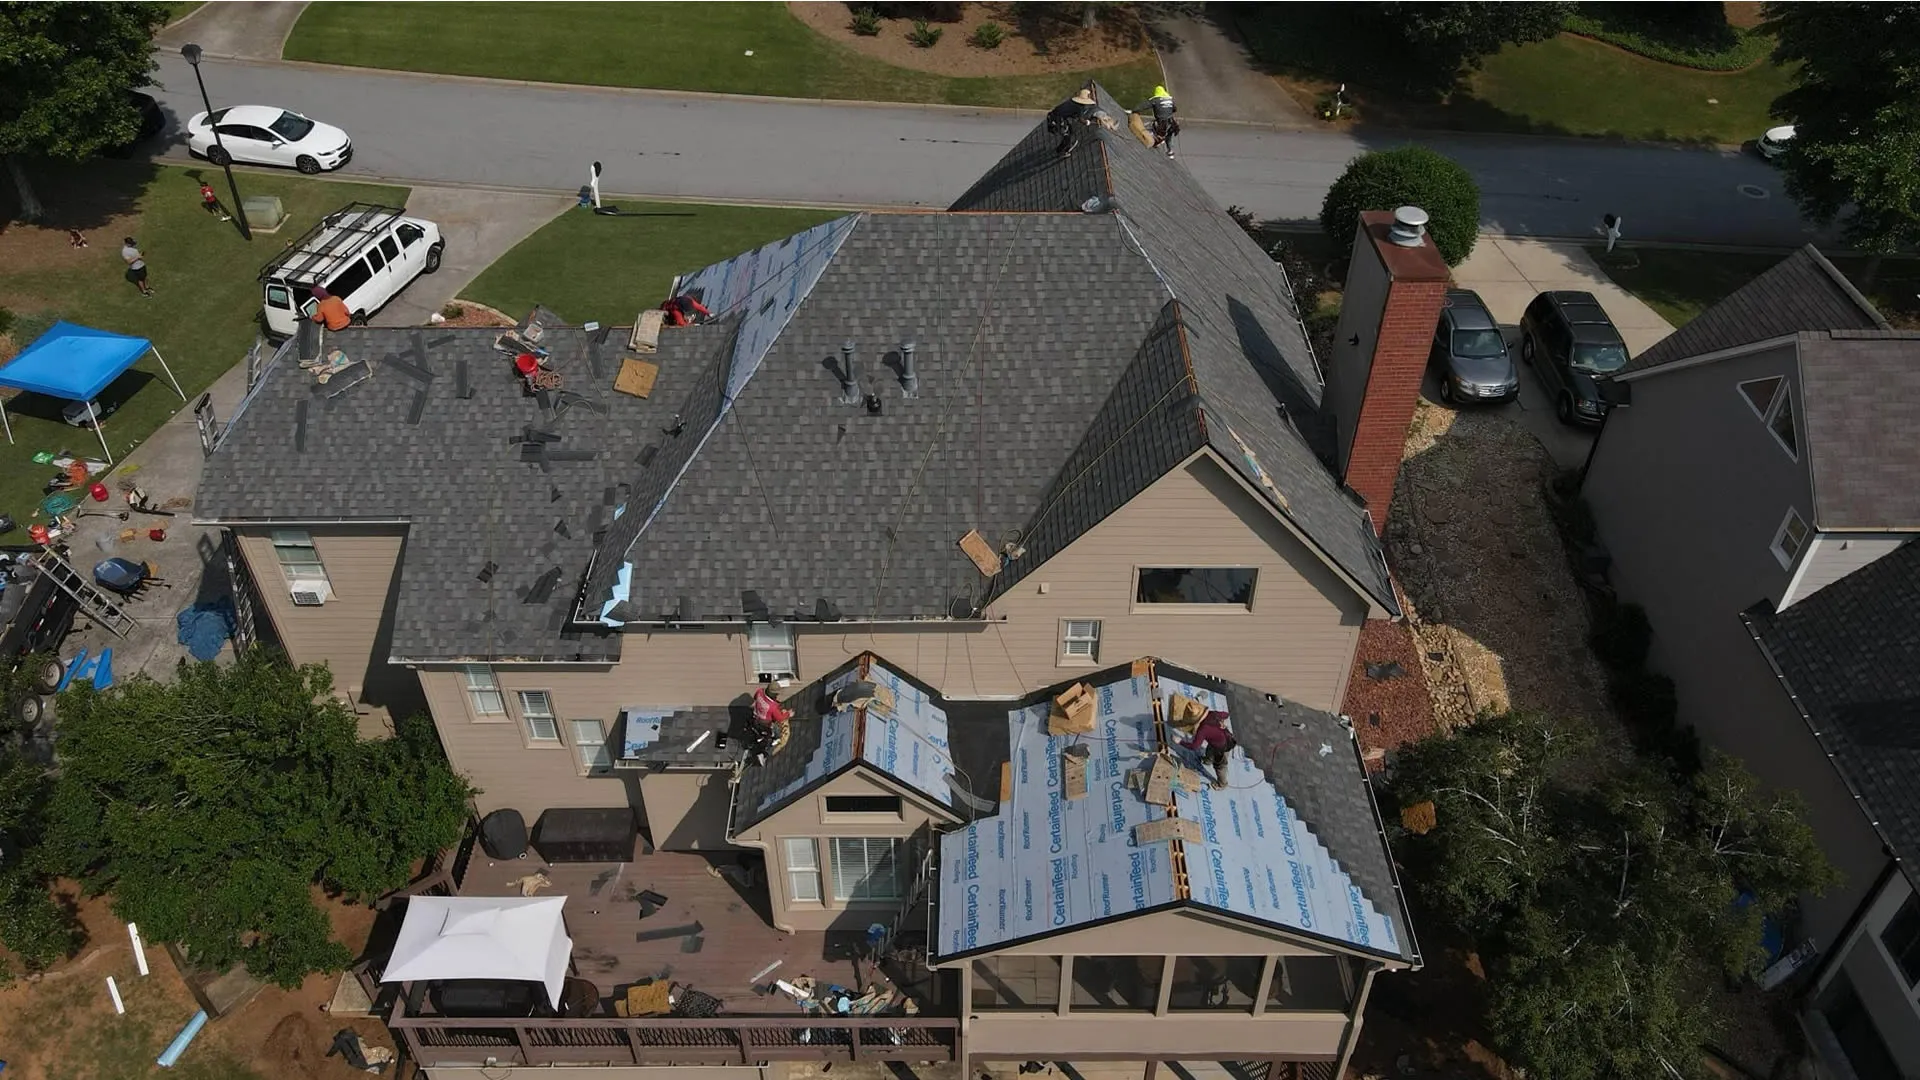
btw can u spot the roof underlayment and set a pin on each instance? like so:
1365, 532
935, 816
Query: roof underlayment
907, 742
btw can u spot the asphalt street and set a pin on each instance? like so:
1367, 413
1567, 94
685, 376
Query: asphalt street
439, 130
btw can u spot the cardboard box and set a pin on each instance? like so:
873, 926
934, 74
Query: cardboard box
1072, 712
1073, 772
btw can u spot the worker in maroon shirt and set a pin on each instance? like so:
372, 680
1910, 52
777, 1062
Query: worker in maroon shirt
1213, 741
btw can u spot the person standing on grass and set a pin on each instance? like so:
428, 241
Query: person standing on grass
136, 266
211, 201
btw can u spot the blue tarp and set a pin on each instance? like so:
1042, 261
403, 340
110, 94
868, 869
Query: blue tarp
73, 362
205, 628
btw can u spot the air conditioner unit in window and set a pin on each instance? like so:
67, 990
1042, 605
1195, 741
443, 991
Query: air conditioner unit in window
307, 598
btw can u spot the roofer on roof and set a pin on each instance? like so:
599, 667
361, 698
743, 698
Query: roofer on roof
1165, 127
1213, 741
1069, 118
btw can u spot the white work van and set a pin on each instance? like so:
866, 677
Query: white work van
362, 253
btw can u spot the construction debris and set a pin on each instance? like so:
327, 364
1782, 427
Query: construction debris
1073, 771
646, 331
981, 552
1072, 712
1167, 828
636, 377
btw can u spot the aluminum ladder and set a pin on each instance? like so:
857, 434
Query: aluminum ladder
101, 606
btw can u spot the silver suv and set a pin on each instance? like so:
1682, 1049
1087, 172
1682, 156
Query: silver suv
1470, 353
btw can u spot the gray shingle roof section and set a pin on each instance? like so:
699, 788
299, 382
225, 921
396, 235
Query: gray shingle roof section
687, 726
1861, 412
1851, 654
1802, 292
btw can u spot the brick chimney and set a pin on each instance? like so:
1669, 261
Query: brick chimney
1396, 284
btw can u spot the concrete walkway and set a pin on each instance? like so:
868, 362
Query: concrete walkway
479, 227
1508, 272
1212, 77
243, 31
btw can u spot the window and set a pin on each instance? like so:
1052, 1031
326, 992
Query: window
292, 126
410, 234
864, 804
1902, 939
590, 742
1760, 393
1126, 983
1790, 539
771, 649
1216, 982
1781, 424
1016, 983
537, 707
871, 867
1225, 585
803, 869
349, 280
1772, 401
277, 296
390, 249
376, 260
300, 562
1309, 982
1080, 640
483, 693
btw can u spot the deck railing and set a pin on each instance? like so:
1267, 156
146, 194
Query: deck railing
745, 1040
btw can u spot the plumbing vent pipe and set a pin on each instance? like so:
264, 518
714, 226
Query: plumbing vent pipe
849, 381
909, 375
1409, 226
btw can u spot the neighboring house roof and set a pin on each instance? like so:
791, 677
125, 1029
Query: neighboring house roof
1801, 292
1293, 843
1860, 391
1850, 656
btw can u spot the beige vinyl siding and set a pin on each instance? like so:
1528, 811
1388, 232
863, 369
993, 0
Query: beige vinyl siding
1832, 556
686, 809
352, 632
497, 754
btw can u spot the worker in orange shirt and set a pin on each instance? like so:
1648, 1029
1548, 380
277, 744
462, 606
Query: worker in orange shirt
332, 312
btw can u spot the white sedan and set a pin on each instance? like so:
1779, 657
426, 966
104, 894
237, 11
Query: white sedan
265, 135
1775, 141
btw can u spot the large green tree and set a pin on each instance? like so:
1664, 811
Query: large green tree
1406, 176
210, 806
32, 925
65, 69
1449, 36
1599, 892
1855, 107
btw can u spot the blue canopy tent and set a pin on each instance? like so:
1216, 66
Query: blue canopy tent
76, 363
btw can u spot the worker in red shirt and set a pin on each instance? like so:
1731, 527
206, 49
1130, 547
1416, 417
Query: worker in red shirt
211, 201
1213, 741
684, 310
332, 312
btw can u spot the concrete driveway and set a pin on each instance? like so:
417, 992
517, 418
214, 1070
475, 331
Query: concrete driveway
239, 30
478, 227
1508, 273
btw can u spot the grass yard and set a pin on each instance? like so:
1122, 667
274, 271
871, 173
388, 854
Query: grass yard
95, 1043
1681, 284
180, 9
666, 46
590, 267
202, 320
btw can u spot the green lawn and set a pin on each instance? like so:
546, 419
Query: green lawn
65, 1024
669, 46
1681, 284
202, 320
180, 9
592, 267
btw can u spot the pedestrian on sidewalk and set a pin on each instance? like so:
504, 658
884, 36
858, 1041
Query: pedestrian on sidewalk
136, 266
211, 200
332, 312
1069, 119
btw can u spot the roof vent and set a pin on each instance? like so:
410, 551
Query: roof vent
1409, 226
909, 375
849, 381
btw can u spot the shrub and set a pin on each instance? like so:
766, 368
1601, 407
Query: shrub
988, 35
1622, 636
923, 35
1646, 700
452, 311
866, 22
1408, 176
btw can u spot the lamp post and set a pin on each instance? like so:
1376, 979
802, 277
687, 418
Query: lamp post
192, 54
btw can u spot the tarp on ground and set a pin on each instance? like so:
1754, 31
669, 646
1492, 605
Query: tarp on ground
483, 937
73, 362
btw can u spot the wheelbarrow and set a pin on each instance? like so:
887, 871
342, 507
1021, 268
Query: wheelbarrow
123, 576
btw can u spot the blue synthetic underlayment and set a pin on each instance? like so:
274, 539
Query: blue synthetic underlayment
909, 743
1044, 864
642, 728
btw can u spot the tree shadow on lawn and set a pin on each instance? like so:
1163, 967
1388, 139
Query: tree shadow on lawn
84, 195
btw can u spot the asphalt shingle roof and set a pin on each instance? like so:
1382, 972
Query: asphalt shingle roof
1861, 414
1851, 654
1802, 292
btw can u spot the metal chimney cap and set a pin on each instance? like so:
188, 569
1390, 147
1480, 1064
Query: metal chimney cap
1409, 225
848, 346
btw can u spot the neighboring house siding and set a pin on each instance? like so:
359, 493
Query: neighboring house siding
1894, 1006
1832, 556
351, 632
1689, 489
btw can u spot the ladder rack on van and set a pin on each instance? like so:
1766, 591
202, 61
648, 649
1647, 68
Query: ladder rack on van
339, 237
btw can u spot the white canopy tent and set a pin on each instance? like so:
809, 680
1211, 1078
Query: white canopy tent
483, 937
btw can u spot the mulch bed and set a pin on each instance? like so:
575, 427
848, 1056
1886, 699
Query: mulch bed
1387, 696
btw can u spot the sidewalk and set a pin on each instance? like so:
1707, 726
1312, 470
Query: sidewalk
246, 31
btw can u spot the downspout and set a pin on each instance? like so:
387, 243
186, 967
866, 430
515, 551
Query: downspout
1352, 1038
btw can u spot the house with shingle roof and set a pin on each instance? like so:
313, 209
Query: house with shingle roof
1759, 495
960, 462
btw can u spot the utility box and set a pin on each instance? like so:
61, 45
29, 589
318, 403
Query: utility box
264, 213
585, 835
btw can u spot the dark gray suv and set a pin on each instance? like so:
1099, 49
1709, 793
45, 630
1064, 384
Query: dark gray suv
1571, 344
1470, 354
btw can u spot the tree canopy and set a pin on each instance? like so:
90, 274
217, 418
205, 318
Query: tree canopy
1407, 176
210, 806
65, 69
1855, 107
1449, 36
1601, 894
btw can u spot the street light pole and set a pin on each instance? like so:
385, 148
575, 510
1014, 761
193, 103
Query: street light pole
192, 53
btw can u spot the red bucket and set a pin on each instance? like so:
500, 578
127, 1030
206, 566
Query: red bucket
526, 363
99, 492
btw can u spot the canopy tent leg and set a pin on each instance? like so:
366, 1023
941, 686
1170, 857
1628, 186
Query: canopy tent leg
169, 371
8, 424
100, 433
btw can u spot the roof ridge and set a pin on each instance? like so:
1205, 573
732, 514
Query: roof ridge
1839, 279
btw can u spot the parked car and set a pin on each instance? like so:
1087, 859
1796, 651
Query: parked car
75, 412
1470, 353
1570, 343
1775, 141
265, 135
362, 253
152, 122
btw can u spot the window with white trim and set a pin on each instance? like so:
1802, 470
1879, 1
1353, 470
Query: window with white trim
1791, 538
1772, 401
871, 867
536, 708
590, 743
483, 692
1080, 640
771, 648
300, 562
803, 869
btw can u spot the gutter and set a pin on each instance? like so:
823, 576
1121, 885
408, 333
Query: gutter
1380, 828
